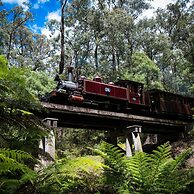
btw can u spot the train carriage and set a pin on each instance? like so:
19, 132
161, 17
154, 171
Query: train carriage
169, 104
123, 96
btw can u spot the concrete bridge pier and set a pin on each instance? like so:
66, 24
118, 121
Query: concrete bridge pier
128, 147
132, 135
48, 143
134, 131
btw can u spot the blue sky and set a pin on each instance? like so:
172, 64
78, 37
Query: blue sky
44, 10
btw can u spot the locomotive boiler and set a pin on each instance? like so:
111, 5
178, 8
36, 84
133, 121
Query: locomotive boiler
122, 96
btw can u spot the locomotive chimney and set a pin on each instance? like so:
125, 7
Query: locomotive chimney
70, 73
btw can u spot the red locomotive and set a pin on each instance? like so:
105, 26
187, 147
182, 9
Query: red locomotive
122, 96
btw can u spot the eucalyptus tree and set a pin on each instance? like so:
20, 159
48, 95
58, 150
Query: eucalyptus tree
17, 18
80, 13
176, 23
3, 21
116, 33
19, 44
101, 33
143, 70
147, 37
62, 56
30, 50
71, 38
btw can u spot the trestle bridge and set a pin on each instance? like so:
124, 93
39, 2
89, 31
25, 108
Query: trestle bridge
117, 124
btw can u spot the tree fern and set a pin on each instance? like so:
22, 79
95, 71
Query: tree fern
13, 171
17, 155
117, 172
147, 173
172, 178
77, 175
158, 159
138, 166
12, 160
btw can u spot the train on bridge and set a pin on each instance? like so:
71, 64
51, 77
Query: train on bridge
122, 96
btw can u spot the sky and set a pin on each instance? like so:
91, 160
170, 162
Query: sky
44, 10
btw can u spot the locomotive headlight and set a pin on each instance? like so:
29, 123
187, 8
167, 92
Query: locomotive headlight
107, 90
62, 91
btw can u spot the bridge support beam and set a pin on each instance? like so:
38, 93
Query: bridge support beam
128, 148
48, 143
137, 142
135, 131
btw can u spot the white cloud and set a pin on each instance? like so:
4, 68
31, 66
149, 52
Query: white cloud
35, 28
19, 2
54, 16
156, 4
44, 31
161, 4
42, 1
36, 6
48, 34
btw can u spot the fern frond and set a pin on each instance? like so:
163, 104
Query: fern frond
158, 158
180, 159
12, 165
162, 152
17, 155
9, 185
12, 160
4, 88
67, 174
139, 168
171, 177
117, 174
8, 165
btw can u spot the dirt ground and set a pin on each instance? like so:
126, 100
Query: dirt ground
181, 145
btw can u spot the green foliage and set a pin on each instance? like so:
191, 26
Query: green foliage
13, 171
17, 124
81, 174
39, 83
113, 158
19, 129
13, 88
75, 142
110, 40
143, 173
147, 173
143, 70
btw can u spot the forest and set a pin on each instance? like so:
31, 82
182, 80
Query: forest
100, 37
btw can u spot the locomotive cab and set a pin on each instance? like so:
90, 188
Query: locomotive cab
135, 91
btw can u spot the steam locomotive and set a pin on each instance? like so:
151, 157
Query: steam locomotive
123, 96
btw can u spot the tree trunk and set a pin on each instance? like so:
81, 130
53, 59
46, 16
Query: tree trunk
118, 60
96, 57
62, 61
113, 60
9, 46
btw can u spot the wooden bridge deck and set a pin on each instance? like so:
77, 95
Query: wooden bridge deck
79, 117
